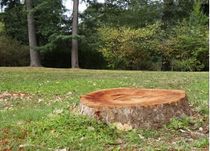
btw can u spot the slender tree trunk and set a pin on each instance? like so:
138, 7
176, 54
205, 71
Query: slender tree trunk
34, 55
74, 51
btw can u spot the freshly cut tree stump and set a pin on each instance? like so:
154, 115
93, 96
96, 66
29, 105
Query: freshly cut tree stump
140, 108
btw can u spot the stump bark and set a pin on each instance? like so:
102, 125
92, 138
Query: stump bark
140, 108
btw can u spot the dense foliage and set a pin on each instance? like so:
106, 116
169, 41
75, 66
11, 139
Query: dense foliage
127, 48
117, 34
12, 53
186, 45
189, 47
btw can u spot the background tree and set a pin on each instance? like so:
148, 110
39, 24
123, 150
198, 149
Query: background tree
74, 51
14, 18
34, 55
52, 29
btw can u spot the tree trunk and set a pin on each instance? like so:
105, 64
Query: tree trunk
34, 55
139, 108
74, 51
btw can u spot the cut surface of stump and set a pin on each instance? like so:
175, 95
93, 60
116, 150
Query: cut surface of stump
140, 108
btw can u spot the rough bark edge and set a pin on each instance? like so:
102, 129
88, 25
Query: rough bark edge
139, 117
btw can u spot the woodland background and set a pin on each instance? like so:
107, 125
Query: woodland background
156, 35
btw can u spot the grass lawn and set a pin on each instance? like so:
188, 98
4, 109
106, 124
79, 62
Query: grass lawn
37, 111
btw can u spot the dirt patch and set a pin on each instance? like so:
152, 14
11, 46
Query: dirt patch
10, 100
14, 95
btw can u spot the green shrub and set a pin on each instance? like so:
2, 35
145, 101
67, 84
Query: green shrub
12, 53
186, 45
192, 46
128, 48
190, 64
184, 48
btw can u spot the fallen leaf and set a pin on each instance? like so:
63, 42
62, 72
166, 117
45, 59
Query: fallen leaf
122, 127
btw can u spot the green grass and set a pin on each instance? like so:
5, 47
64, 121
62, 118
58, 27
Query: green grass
45, 119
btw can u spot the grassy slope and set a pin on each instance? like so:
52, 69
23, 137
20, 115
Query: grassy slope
45, 118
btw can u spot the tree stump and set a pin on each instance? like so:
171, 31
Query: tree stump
140, 108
